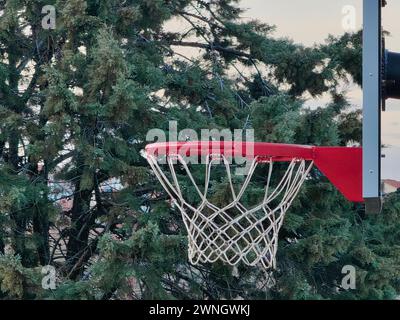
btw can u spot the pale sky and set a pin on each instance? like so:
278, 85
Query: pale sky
311, 21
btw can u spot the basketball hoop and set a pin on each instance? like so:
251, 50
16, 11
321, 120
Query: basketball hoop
232, 232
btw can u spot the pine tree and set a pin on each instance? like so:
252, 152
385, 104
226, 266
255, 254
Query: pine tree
76, 104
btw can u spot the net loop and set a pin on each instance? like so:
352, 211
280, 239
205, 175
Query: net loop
233, 233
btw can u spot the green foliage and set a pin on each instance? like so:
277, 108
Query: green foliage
17, 282
77, 193
12, 277
276, 119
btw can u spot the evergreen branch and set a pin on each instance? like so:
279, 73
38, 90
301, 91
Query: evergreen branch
61, 158
56, 244
207, 6
31, 87
211, 47
203, 35
201, 18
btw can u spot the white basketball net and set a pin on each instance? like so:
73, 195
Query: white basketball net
233, 233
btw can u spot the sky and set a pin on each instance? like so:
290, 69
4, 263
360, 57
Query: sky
310, 22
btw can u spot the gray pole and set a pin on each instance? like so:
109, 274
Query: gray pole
372, 76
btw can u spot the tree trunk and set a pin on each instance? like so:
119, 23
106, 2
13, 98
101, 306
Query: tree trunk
81, 222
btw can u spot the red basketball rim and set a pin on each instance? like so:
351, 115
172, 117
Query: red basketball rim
341, 165
260, 150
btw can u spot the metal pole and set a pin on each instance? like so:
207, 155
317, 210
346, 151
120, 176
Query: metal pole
372, 79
